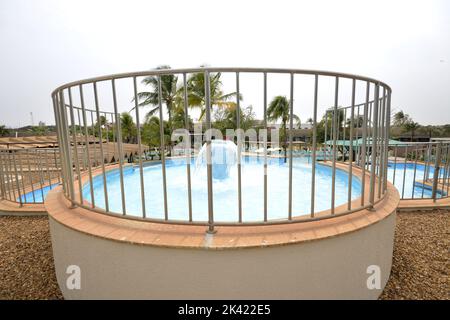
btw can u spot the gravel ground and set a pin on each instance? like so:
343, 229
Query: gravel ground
26, 259
420, 267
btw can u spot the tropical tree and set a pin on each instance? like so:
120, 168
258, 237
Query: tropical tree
168, 92
128, 127
226, 118
151, 134
279, 110
357, 122
411, 126
196, 92
400, 118
3, 131
39, 130
102, 122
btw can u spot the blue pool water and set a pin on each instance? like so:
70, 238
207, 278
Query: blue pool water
225, 190
39, 195
411, 188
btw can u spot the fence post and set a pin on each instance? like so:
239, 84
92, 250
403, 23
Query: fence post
436, 171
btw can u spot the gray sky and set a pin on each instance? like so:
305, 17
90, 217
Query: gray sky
47, 43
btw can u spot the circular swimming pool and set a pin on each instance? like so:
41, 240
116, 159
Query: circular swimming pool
225, 190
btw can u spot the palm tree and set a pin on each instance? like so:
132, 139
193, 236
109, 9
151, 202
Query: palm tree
168, 92
128, 127
411, 126
3, 131
400, 118
196, 93
279, 109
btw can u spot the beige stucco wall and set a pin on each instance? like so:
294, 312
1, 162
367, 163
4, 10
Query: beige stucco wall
332, 268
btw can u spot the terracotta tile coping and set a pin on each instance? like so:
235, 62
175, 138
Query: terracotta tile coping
227, 237
14, 207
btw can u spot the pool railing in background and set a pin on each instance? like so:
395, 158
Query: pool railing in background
28, 173
420, 170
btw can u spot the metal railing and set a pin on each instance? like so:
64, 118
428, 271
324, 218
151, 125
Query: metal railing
368, 121
26, 174
420, 170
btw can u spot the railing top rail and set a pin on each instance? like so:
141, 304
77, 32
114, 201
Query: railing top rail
218, 69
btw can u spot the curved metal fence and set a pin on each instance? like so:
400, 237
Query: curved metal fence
27, 174
353, 138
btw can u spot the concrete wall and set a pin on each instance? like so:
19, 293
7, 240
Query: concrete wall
333, 268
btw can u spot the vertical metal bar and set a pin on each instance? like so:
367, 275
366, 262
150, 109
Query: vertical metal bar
93, 137
113, 132
291, 129
188, 154
313, 162
358, 148
57, 168
239, 148
364, 142
265, 147
2, 178
335, 125
41, 175
404, 171
343, 133
387, 137
395, 164
11, 176
17, 178
444, 171
86, 136
60, 143
445, 175
350, 155
414, 178
382, 142
49, 178
68, 154
30, 176
75, 145
208, 154
424, 170
22, 176
107, 138
84, 153
374, 147
119, 147
138, 127
99, 121
59, 135
325, 141
437, 166
370, 132
163, 148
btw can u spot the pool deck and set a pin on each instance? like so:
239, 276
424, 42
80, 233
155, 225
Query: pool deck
9, 208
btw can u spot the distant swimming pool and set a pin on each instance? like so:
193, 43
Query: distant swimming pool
407, 181
38, 195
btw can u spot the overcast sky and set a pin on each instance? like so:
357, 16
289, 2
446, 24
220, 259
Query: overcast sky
46, 43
